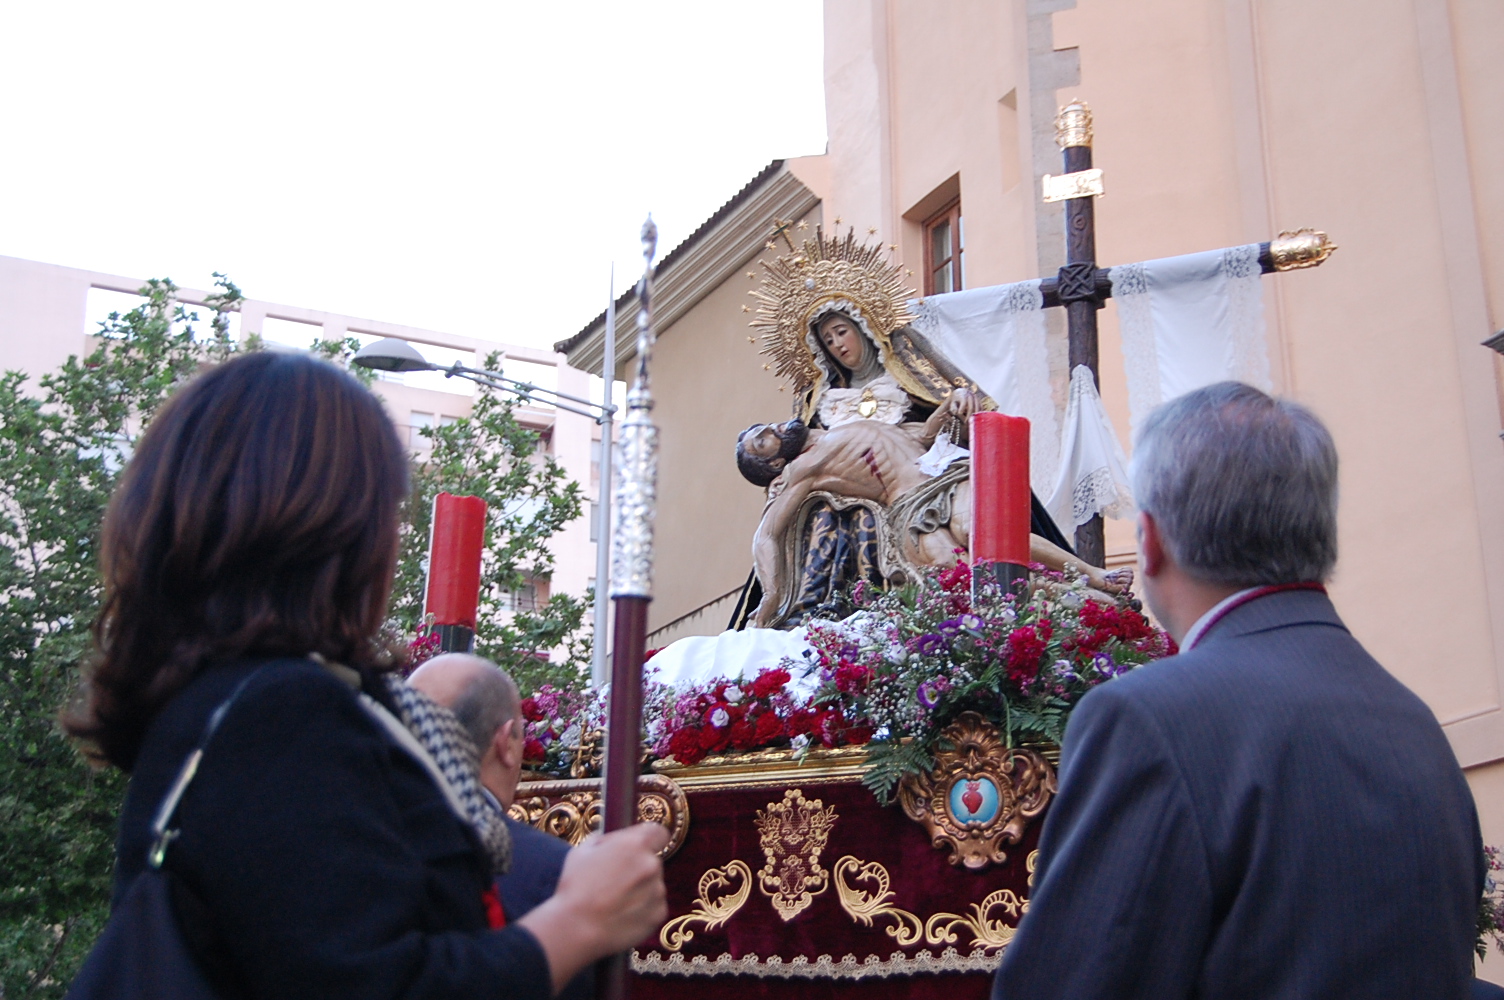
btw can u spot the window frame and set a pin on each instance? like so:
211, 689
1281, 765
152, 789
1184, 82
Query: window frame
951, 214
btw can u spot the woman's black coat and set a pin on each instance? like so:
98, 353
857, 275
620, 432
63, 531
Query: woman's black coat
322, 859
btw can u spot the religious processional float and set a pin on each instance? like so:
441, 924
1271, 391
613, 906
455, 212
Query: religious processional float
854, 776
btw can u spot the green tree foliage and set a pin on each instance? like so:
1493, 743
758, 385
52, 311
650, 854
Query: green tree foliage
496, 458
62, 445
63, 440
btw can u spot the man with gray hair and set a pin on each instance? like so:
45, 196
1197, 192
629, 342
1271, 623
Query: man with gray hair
1268, 813
484, 698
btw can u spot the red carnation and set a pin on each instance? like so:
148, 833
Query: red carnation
851, 677
533, 749
530, 710
769, 683
744, 735
712, 739
769, 727
684, 746
857, 735
957, 579
1026, 648
803, 722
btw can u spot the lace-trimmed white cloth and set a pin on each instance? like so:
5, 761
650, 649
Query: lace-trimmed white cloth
1093, 470
1188, 322
996, 335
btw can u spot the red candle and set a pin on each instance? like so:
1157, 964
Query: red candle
999, 488
459, 528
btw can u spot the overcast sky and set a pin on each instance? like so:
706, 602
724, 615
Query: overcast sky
467, 167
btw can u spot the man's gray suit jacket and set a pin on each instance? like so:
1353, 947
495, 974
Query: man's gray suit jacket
1269, 815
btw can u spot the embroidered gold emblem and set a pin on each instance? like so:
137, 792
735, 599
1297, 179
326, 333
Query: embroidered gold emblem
980, 795
712, 912
793, 834
868, 404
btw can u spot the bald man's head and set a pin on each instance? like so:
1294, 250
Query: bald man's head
476, 690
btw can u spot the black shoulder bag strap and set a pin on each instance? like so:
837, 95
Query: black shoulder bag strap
142, 952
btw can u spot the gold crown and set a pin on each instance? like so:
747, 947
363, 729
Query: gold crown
801, 284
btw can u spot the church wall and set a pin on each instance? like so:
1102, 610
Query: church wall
1385, 348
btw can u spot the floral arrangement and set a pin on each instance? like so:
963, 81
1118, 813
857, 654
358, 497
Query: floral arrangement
891, 676
726, 716
910, 660
1491, 906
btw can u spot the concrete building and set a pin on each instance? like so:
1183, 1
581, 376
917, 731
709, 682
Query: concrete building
1217, 124
49, 312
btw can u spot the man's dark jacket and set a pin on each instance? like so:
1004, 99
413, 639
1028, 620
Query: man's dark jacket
328, 862
1270, 815
537, 860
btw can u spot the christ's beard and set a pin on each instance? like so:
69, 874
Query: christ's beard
791, 440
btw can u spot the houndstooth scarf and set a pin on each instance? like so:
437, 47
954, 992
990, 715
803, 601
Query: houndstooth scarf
441, 734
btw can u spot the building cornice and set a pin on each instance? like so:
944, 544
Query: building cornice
695, 268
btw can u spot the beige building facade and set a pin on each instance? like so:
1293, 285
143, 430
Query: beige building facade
1218, 122
48, 312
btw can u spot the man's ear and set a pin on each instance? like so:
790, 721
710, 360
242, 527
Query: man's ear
1151, 545
507, 743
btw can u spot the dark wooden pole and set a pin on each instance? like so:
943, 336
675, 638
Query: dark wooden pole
624, 741
623, 750
1077, 284
636, 504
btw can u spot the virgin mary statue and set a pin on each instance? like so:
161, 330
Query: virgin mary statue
834, 318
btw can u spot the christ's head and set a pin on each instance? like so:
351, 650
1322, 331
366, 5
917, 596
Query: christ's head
763, 450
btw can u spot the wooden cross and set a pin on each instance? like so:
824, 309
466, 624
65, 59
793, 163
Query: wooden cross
1081, 287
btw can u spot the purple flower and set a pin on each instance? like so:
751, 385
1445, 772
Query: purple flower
931, 691
930, 644
962, 623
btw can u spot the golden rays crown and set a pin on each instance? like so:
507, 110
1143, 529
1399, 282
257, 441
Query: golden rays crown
820, 271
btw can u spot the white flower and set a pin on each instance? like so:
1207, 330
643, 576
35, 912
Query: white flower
895, 653
800, 742
719, 718
733, 695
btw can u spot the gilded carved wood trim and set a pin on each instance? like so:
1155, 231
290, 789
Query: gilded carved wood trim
570, 809
980, 794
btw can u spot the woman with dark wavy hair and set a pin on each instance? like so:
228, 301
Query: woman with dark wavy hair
331, 844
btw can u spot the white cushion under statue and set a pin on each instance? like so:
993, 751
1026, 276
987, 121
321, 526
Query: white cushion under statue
701, 658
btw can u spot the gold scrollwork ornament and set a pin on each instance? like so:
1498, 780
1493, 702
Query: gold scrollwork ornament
987, 931
711, 912
864, 906
988, 921
793, 833
979, 795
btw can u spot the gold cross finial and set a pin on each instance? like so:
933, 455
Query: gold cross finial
781, 228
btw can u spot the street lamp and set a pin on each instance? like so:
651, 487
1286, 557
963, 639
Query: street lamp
393, 355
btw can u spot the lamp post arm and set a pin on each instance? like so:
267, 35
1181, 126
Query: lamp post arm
527, 388
500, 382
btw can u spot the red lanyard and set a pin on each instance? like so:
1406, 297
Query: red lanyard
1243, 599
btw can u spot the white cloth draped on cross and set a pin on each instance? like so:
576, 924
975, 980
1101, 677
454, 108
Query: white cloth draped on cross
1185, 321
996, 335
